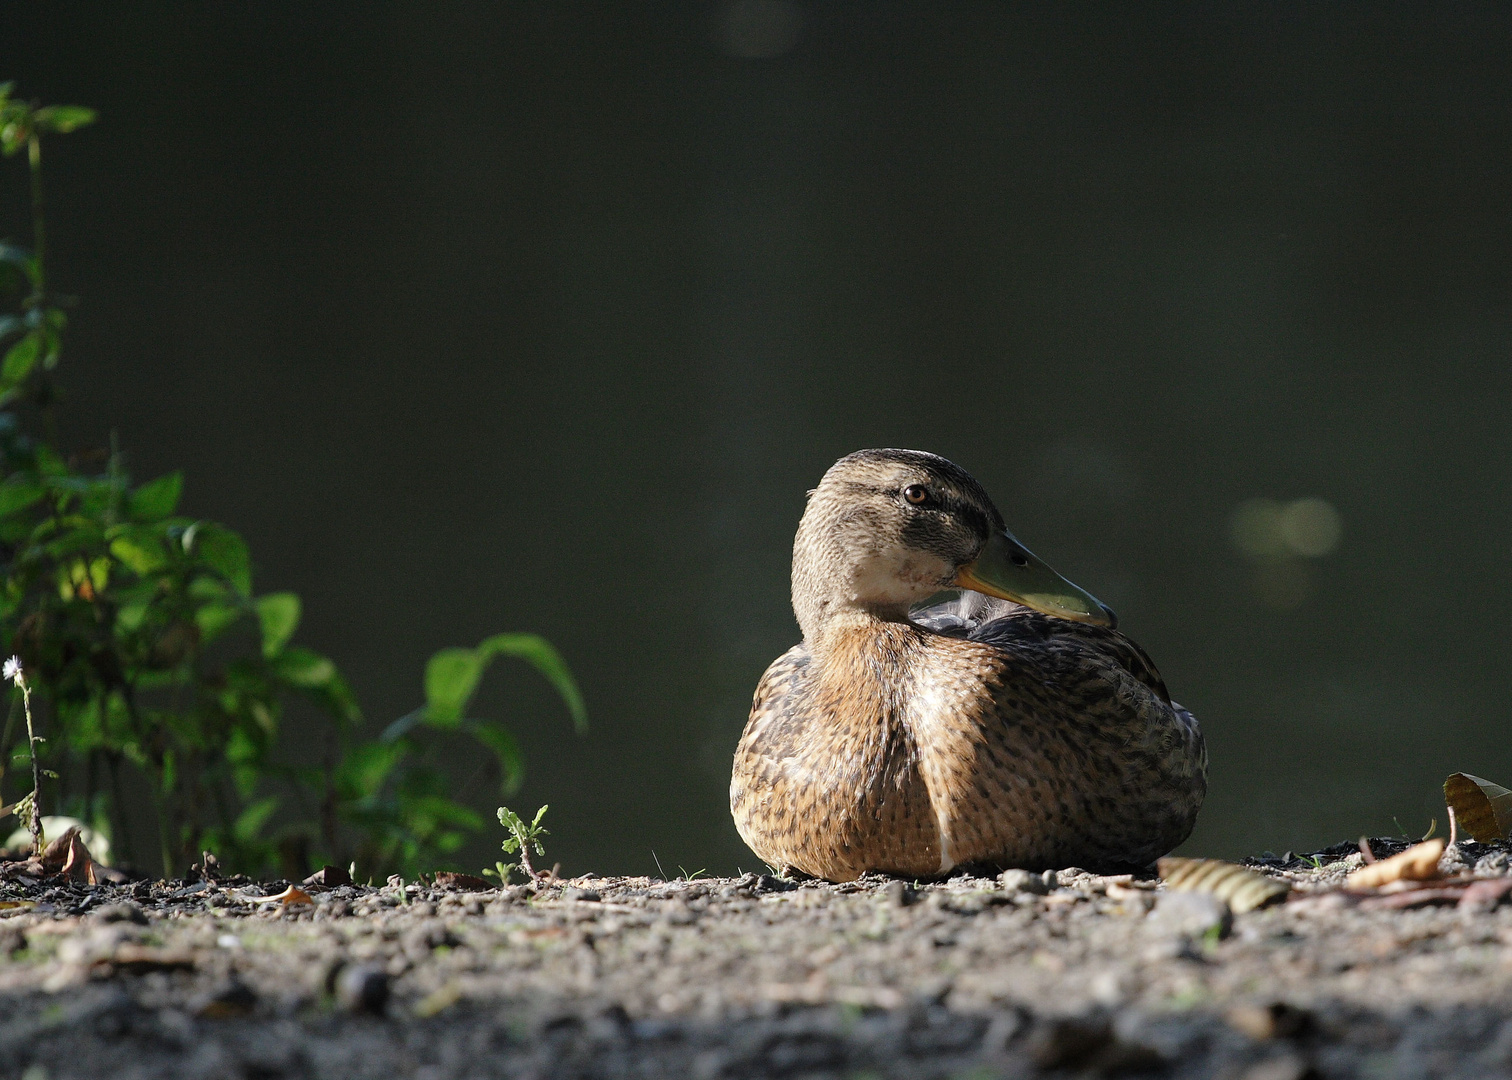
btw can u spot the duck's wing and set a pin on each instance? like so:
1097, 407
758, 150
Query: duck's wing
1016, 628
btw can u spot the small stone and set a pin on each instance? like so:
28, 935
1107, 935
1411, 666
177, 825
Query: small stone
583, 895
125, 911
329, 877
899, 894
1190, 915
1492, 865
361, 988
1278, 1020
1022, 881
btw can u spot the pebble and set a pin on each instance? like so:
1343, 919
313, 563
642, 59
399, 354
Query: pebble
362, 988
1188, 915
1022, 881
123, 912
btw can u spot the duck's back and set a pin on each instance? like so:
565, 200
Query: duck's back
1014, 739
1083, 757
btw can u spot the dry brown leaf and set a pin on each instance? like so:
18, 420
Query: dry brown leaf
445, 879
289, 897
1240, 887
1483, 809
1417, 863
78, 866
56, 853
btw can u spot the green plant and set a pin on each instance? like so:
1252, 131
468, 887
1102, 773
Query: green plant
521, 839
148, 650
389, 785
28, 808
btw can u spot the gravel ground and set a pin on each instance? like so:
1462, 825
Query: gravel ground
619, 977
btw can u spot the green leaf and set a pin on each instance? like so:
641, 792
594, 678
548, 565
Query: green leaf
543, 656
225, 552
156, 499
213, 619
304, 668
451, 677
278, 613
251, 820
366, 766
62, 118
20, 358
140, 551
502, 743
18, 494
428, 812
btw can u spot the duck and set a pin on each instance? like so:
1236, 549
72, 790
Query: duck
955, 704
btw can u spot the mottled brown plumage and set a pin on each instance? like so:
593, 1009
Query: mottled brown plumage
983, 732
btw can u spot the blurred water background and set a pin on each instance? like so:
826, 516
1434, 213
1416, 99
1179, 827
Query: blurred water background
493, 316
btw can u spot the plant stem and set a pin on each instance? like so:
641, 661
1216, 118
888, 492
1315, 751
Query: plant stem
34, 156
36, 765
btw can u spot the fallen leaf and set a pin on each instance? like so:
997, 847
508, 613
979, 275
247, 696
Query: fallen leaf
289, 897
1240, 887
17, 905
56, 853
78, 866
445, 879
1417, 863
1483, 809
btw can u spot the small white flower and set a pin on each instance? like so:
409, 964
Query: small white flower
12, 670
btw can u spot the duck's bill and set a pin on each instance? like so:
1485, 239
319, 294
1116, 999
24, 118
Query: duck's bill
1010, 571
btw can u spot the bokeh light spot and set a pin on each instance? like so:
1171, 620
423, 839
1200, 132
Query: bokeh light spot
1279, 539
1311, 527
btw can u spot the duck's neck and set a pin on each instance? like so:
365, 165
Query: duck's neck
835, 596
851, 648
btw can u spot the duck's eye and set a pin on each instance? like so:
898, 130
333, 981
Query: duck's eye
916, 494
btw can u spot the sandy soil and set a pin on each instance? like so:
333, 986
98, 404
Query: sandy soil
757, 977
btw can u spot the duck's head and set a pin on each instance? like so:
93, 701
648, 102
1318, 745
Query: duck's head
886, 529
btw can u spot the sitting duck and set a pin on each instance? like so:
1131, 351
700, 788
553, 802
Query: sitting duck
1010, 727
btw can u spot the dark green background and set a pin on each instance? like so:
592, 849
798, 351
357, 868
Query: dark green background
496, 316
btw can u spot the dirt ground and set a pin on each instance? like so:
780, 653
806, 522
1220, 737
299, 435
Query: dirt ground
758, 977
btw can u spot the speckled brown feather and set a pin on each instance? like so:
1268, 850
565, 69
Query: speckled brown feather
1044, 747
880, 744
